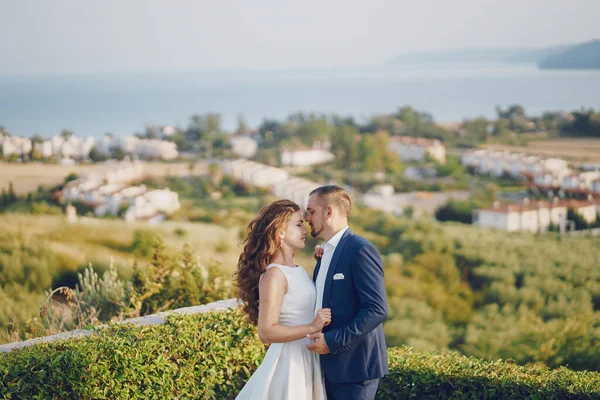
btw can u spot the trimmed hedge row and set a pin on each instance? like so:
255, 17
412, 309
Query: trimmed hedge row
210, 356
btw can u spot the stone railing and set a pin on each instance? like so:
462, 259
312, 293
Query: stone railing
154, 319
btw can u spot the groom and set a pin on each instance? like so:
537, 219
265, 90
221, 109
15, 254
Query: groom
349, 280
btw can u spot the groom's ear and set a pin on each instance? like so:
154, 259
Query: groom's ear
329, 211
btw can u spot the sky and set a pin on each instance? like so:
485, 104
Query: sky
49, 37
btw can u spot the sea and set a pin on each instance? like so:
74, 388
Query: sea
125, 103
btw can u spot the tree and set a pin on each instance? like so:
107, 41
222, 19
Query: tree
476, 129
201, 125
460, 211
314, 130
580, 222
96, 156
71, 177
12, 197
369, 155
66, 133
242, 125
501, 128
36, 155
344, 146
118, 153
36, 138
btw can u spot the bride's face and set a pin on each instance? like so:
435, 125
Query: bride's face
295, 232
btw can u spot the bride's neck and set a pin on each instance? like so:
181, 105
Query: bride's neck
284, 257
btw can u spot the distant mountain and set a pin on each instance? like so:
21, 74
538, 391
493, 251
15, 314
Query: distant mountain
482, 55
536, 55
455, 56
582, 56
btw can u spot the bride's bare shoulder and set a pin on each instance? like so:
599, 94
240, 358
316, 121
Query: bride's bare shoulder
273, 277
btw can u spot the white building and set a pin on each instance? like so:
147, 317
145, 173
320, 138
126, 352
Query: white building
145, 205
112, 171
294, 189
151, 149
164, 200
528, 216
305, 157
472, 158
533, 216
500, 164
550, 179
595, 187
76, 189
243, 146
579, 181
145, 149
415, 149
585, 208
72, 147
277, 180
253, 173
516, 165
423, 203
45, 148
382, 190
555, 164
18, 146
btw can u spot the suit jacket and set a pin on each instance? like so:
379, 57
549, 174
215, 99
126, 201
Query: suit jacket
358, 307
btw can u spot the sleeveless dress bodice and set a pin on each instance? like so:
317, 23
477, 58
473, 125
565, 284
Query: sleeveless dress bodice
289, 370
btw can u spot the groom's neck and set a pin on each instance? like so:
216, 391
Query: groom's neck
334, 229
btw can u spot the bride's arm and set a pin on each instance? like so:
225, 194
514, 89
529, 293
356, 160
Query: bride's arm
272, 288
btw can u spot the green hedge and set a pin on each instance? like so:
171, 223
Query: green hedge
211, 355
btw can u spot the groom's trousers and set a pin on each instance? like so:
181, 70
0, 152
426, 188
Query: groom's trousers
351, 391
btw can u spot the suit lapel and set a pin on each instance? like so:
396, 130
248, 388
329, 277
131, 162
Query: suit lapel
316, 271
339, 249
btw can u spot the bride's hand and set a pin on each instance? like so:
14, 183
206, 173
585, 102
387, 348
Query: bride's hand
318, 253
323, 318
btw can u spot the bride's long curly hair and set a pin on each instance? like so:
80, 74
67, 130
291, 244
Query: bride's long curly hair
261, 243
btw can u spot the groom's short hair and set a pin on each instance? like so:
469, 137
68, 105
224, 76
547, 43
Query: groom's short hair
332, 195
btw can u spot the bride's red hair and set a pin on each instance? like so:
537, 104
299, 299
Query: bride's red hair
260, 245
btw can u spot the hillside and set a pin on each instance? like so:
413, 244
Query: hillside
583, 56
450, 287
480, 55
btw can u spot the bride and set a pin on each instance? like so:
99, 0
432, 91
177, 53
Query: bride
266, 271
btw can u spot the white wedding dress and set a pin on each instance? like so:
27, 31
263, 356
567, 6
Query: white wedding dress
289, 370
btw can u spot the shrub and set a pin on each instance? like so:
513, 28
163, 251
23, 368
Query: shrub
205, 356
180, 232
211, 356
143, 241
222, 246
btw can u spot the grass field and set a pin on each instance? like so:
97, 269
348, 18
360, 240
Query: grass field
584, 150
97, 240
27, 177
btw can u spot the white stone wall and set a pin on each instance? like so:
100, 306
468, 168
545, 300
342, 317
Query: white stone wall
494, 220
154, 319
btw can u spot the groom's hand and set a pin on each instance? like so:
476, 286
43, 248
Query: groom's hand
319, 346
318, 253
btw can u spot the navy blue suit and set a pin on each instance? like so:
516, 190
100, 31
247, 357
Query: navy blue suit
358, 307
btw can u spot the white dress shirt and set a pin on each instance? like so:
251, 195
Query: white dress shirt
328, 250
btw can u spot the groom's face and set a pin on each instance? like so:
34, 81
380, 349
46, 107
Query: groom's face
314, 215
